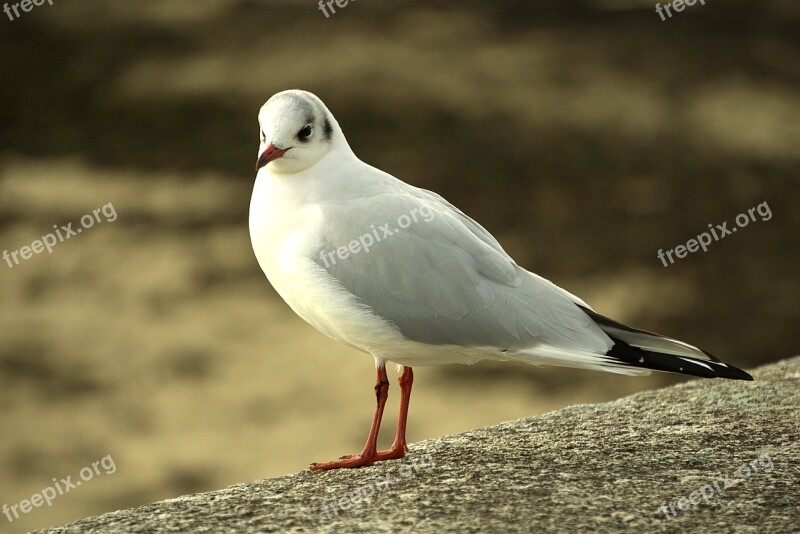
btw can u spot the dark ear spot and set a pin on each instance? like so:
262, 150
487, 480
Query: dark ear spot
328, 129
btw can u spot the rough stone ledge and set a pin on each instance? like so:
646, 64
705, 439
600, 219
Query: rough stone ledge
597, 468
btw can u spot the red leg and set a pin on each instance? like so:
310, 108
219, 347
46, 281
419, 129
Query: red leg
399, 447
369, 454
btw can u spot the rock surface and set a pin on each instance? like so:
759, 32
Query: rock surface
725, 451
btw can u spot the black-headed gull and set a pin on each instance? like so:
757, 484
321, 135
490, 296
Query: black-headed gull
403, 275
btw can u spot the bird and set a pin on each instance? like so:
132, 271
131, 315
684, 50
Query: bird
399, 273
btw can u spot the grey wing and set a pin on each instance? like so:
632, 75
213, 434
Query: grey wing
444, 280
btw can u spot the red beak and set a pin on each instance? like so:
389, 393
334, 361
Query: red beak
271, 153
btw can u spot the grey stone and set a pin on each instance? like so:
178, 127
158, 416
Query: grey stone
732, 447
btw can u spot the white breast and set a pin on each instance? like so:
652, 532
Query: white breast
285, 230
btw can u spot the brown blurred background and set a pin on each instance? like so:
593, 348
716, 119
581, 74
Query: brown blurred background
586, 135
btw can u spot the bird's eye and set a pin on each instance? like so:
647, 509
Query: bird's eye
304, 133
263, 137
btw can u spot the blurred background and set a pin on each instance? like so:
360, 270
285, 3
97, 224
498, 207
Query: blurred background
586, 135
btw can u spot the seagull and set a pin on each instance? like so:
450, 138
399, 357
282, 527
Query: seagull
401, 274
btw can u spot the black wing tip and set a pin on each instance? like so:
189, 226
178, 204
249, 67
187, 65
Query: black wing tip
685, 365
734, 373
657, 361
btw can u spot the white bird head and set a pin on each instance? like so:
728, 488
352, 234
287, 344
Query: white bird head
297, 130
